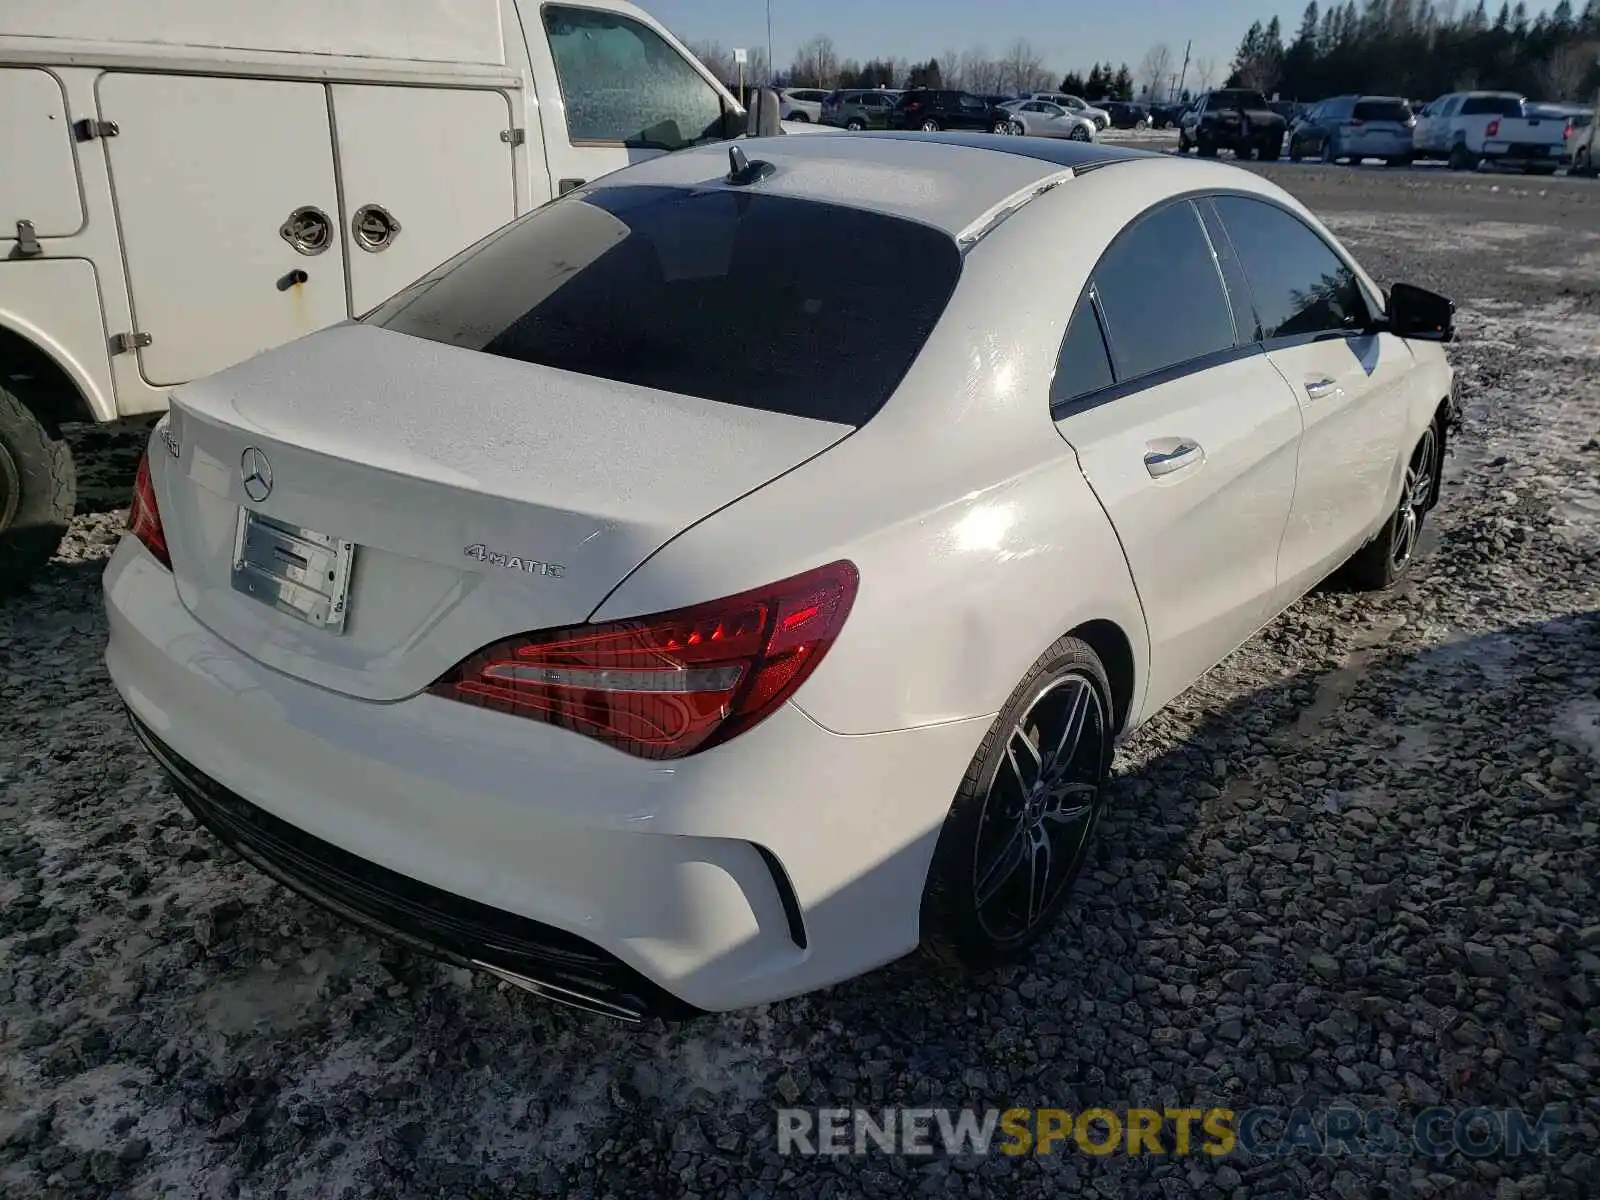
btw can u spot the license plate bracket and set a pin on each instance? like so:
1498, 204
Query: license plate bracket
297, 571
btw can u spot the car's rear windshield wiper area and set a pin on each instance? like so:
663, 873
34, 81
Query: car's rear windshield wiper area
768, 302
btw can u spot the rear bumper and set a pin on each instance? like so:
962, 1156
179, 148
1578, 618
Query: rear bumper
786, 860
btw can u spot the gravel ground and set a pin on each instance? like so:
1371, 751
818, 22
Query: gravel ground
1356, 864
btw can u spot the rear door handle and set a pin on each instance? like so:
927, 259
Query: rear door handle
1316, 389
1164, 462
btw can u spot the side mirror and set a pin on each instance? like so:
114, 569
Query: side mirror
764, 117
1418, 313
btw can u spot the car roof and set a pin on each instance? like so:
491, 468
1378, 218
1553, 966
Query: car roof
948, 180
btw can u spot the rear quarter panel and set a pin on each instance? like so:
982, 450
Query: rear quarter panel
978, 541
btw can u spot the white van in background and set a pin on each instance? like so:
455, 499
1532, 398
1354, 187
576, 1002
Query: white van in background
186, 183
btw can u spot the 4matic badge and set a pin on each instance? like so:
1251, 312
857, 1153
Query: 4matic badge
512, 562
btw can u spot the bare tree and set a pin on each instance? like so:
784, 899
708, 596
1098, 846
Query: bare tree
979, 72
757, 70
950, 71
816, 63
1564, 73
1156, 70
1205, 71
1021, 68
717, 60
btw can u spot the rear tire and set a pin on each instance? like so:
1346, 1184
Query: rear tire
1385, 559
1462, 159
854, 125
1205, 147
1271, 151
930, 126
1078, 134
1020, 810
1580, 163
1183, 141
38, 491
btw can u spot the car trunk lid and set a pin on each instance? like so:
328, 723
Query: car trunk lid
480, 497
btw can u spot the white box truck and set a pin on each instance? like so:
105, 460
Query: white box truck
185, 183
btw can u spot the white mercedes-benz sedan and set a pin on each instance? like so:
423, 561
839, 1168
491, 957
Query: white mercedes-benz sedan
735, 573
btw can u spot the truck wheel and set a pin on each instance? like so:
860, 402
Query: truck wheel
38, 489
1271, 150
1580, 162
1462, 159
1205, 147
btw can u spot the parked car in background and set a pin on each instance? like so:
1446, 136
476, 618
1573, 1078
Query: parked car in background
655, 727
1352, 128
1581, 146
801, 104
1100, 117
1040, 118
859, 108
1574, 119
1165, 115
1469, 128
1125, 114
1235, 119
181, 189
932, 109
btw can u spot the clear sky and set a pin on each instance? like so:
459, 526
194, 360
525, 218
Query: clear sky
1067, 38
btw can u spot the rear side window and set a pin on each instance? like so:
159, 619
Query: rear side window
1299, 285
1383, 110
1161, 294
766, 302
1084, 364
1494, 106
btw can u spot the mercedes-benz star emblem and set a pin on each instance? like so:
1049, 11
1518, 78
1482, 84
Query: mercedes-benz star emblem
257, 473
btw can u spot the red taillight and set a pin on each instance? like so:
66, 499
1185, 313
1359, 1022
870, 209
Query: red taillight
1571, 125
670, 684
144, 517
1492, 128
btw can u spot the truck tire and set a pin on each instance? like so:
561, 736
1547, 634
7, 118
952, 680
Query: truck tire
1204, 146
1462, 159
38, 489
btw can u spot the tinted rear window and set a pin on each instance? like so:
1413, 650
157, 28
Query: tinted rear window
762, 301
1499, 106
1383, 110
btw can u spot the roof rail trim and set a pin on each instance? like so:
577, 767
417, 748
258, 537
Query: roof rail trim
987, 221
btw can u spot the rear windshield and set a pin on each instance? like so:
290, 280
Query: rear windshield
767, 302
1498, 106
1383, 110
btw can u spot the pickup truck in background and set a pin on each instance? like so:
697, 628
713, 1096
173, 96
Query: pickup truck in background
1469, 128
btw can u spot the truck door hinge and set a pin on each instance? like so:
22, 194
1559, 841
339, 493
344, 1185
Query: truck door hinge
124, 342
27, 241
87, 129
514, 137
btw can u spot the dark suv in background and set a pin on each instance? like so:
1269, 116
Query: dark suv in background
932, 109
859, 108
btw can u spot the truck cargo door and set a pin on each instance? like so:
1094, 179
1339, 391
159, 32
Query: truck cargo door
229, 216
38, 173
425, 172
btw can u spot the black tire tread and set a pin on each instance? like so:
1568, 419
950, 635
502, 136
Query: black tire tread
49, 494
942, 938
1371, 569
